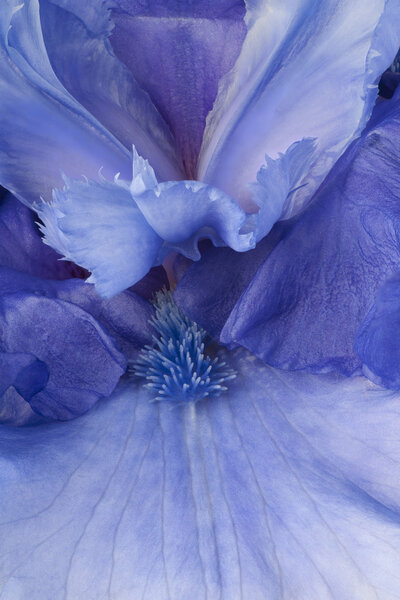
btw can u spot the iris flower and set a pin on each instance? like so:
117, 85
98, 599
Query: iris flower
235, 146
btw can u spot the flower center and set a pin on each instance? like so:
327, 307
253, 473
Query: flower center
176, 368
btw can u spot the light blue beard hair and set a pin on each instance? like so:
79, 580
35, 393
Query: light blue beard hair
176, 368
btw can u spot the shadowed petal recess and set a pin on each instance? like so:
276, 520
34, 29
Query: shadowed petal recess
291, 81
178, 51
76, 38
269, 491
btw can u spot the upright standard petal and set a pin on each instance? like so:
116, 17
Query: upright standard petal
291, 81
178, 51
267, 492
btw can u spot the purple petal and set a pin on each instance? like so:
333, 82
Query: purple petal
82, 362
22, 248
178, 52
22, 376
125, 317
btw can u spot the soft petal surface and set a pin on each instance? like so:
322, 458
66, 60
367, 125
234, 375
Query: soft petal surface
290, 81
100, 227
179, 210
178, 51
307, 301
44, 130
76, 39
82, 361
210, 288
286, 487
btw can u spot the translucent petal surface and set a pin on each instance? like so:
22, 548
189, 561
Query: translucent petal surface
291, 81
178, 51
286, 488
76, 39
99, 226
44, 130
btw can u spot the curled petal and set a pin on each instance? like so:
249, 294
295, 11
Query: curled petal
76, 39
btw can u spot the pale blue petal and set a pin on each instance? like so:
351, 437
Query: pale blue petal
285, 488
306, 69
44, 130
99, 226
76, 39
278, 180
177, 210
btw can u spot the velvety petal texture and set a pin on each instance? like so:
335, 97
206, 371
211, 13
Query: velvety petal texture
119, 231
291, 81
266, 492
178, 51
51, 330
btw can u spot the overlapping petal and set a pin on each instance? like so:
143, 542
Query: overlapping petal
44, 130
269, 491
86, 66
178, 52
292, 81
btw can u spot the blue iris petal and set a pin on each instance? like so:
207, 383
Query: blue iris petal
308, 299
269, 492
99, 226
22, 376
86, 66
377, 341
44, 130
291, 81
178, 51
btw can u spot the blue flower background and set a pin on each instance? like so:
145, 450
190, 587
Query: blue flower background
238, 438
